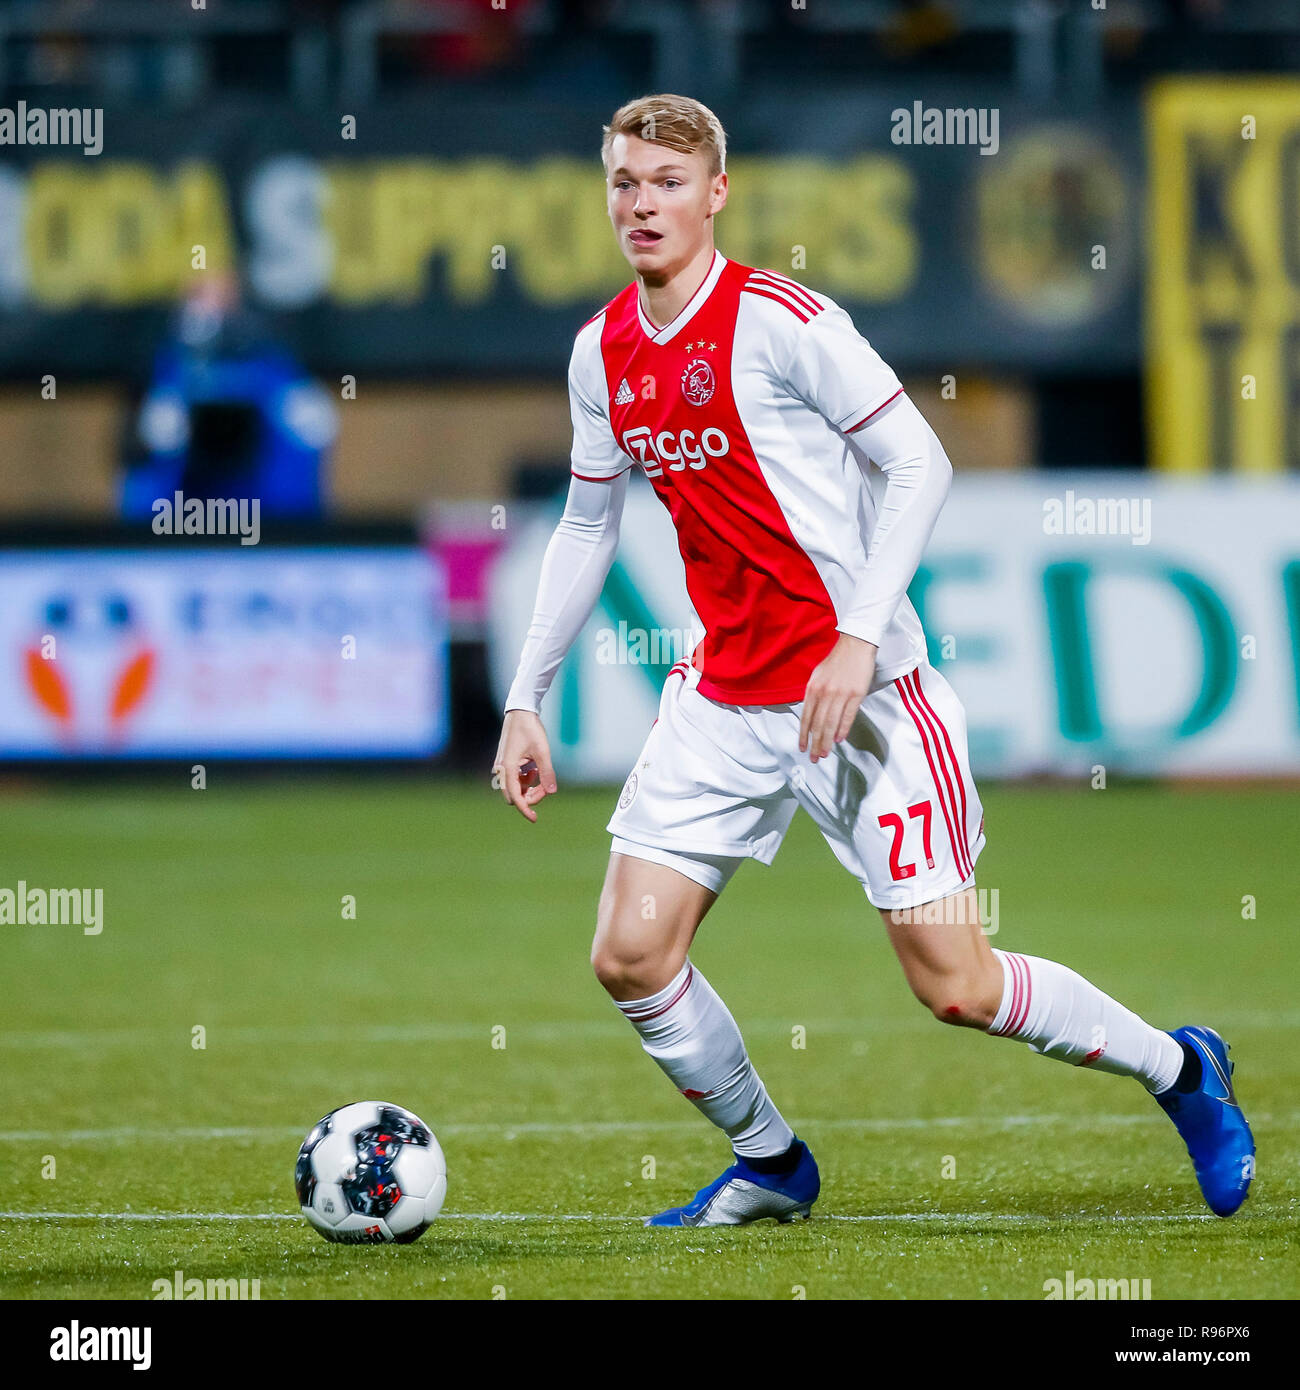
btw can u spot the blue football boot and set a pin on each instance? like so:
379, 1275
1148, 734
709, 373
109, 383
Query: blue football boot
1212, 1125
742, 1194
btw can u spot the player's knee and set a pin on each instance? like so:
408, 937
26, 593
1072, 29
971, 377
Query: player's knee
612, 968
957, 1001
963, 1015
628, 974
629, 963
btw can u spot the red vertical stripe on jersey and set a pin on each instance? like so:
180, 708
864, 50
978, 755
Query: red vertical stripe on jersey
767, 616
905, 694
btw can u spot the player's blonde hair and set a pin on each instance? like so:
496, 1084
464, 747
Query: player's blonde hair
677, 123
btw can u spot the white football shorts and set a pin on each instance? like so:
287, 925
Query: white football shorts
716, 784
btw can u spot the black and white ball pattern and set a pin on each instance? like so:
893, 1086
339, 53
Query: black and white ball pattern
370, 1172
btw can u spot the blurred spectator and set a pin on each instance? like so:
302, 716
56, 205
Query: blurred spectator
62, 57
228, 413
918, 26
478, 40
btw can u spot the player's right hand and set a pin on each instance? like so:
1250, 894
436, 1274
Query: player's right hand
523, 743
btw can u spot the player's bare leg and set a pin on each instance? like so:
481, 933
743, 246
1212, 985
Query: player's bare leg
954, 972
647, 919
947, 959
962, 980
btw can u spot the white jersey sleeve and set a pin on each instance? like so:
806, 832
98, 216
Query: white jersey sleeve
899, 441
574, 568
595, 454
582, 549
837, 371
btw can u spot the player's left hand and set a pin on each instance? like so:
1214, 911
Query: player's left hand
835, 690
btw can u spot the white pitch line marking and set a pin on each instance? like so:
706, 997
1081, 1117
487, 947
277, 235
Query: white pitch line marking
578, 1030
1005, 1218
487, 1129
557, 1127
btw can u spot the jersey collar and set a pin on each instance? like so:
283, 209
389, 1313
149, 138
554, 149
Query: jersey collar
692, 306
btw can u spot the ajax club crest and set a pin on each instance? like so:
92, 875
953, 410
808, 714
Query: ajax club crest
698, 384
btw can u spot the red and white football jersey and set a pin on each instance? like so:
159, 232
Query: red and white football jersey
741, 412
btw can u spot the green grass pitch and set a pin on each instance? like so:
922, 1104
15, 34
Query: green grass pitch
954, 1165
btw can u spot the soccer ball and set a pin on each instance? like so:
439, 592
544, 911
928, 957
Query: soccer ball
370, 1172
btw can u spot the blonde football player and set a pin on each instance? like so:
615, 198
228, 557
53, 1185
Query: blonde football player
811, 685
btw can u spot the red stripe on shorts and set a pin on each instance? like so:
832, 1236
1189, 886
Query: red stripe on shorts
960, 849
905, 694
956, 767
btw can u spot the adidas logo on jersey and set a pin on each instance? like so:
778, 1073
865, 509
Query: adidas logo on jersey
624, 396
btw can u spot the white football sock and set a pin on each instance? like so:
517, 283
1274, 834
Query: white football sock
1061, 1015
689, 1031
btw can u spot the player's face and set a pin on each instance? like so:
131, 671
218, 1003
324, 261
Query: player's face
661, 203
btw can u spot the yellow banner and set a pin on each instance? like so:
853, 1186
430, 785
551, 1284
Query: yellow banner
368, 232
1223, 275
